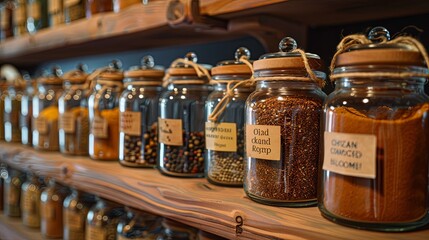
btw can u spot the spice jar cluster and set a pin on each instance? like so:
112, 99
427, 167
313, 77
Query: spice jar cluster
263, 125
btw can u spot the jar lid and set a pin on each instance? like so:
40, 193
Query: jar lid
146, 69
78, 75
54, 77
183, 69
113, 72
234, 67
377, 49
286, 58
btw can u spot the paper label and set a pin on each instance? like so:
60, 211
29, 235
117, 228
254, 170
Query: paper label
94, 233
34, 10
170, 131
130, 123
221, 136
41, 125
67, 122
99, 127
350, 154
73, 221
263, 142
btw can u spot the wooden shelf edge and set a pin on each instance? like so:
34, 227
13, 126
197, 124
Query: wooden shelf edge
192, 201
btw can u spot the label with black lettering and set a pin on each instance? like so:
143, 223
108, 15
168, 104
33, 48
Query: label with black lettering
41, 125
170, 131
263, 142
350, 154
221, 136
67, 122
130, 123
94, 233
99, 127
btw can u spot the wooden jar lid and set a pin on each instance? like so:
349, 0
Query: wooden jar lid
380, 56
240, 69
286, 63
111, 76
150, 73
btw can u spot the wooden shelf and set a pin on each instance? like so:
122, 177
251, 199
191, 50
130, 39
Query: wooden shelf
12, 228
192, 201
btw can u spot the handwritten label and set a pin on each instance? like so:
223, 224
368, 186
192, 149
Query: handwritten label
67, 122
99, 127
221, 136
263, 141
94, 233
350, 154
73, 220
170, 131
130, 123
41, 125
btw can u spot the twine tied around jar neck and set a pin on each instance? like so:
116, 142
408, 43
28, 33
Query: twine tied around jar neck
76, 86
360, 39
105, 83
200, 70
231, 85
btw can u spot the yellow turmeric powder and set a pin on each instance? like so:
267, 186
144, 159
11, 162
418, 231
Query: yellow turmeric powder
104, 140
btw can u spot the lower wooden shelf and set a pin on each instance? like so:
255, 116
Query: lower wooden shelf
214, 209
12, 228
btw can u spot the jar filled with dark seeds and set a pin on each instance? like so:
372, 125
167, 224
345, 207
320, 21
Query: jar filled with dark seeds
73, 109
224, 129
138, 107
283, 128
181, 119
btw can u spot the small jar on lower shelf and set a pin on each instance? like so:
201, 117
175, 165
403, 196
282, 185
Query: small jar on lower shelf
3, 176
12, 192
102, 220
138, 225
75, 209
51, 209
176, 230
30, 201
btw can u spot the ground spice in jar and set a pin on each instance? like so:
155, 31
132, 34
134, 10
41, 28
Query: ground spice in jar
47, 126
76, 142
295, 176
401, 165
108, 148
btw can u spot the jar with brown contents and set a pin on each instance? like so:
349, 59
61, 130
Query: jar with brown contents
104, 112
73, 113
45, 111
283, 128
12, 110
30, 200
376, 135
102, 220
12, 192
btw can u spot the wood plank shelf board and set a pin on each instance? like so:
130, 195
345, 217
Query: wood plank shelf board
11, 228
192, 201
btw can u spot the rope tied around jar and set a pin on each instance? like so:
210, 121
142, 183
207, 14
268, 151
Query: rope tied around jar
74, 73
231, 85
381, 36
199, 69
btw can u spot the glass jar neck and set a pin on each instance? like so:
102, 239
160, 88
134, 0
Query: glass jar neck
287, 84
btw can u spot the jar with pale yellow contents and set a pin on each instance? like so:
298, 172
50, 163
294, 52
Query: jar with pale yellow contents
73, 111
45, 111
104, 112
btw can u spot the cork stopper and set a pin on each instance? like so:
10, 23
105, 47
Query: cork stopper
234, 67
183, 69
286, 58
380, 52
54, 77
147, 69
113, 72
78, 75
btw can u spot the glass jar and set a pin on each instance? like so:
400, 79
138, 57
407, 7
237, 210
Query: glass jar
74, 10
376, 136
45, 111
12, 110
181, 121
19, 19
104, 113
37, 15
103, 219
3, 176
26, 114
75, 209
98, 6
3, 94
283, 128
176, 230
203, 235
224, 130
73, 113
6, 13
12, 192
138, 106
138, 225
51, 209
55, 12
30, 201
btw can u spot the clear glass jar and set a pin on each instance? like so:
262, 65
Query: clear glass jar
181, 122
51, 209
31, 191
224, 133
73, 113
26, 114
12, 110
55, 12
45, 111
104, 113
3, 176
176, 230
19, 20
75, 209
102, 220
12, 192
138, 225
138, 106
376, 131
6, 13
74, 10
283, 129
37, 15
3, 94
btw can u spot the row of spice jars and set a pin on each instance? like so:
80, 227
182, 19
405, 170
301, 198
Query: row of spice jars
78, 215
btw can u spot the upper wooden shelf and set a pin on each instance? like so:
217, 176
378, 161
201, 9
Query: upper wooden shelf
192, 201
147, 26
